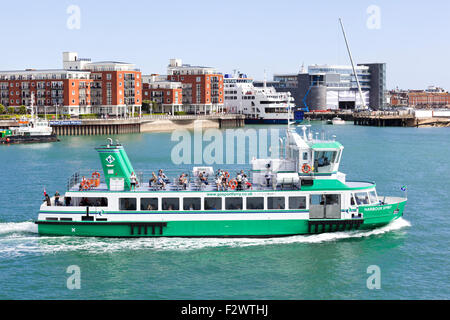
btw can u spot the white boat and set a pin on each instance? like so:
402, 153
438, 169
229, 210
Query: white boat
261, 105
337, 121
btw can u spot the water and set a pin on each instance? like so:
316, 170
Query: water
412, 253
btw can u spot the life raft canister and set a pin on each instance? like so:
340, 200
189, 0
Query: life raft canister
306, 168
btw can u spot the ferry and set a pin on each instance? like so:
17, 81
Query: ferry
301, 192
260, 105
29, 130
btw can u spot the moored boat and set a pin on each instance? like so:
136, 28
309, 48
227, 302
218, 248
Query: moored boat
302, 192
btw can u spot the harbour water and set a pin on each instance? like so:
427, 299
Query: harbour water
412, 253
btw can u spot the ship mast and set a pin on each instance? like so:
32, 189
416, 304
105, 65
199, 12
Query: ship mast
353, 67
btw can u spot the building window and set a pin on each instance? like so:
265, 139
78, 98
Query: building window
199, 79
120, 84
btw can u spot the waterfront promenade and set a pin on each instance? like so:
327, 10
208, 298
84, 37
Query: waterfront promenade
148, 123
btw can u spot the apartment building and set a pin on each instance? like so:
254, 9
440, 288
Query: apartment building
80, 87
202, 86
167, 94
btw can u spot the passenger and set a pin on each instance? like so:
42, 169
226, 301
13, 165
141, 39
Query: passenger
219, 182
149, 207
47, 199
57, 203
203, 178
224, 182
246, 182
182, 181
239, 182
163, 175
133, 180
153, 180
267, 176
161, 182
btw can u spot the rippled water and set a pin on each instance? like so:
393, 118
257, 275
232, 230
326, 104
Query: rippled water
412, 252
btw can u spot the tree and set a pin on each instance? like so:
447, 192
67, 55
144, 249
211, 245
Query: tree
11, 110
22, 110
2, 109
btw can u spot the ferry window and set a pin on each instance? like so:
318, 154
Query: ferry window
127, 204
149, 203
305, 155
233, 203
352, 199
86, 202
275, 203
373, 197
361, 198
254, 203
332, 199
170, 204
213, 203
191, 204
297, 202
324, 158
317, 200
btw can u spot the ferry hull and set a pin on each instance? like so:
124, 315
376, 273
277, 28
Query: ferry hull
223, 228
29, 139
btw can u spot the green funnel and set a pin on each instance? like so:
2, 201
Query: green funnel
115, 163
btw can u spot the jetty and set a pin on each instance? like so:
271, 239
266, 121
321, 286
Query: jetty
148, 123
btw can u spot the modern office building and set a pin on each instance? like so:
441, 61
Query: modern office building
332, 87
80, 87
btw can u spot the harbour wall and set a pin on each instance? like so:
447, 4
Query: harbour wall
156, 123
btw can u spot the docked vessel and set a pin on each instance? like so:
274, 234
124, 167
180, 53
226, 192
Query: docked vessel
29, 130
301, 192
337, 121
260, 105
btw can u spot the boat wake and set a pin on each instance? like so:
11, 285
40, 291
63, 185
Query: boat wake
17, 239
17, 227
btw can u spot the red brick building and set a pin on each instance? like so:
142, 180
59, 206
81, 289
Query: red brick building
431, 98
82, 86
202, 86
168, 95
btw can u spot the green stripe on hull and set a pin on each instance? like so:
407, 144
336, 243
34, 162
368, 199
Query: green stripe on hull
222, 228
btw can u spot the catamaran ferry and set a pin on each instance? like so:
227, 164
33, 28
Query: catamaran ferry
302, 192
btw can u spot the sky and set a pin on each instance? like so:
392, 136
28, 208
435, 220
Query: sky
276, 36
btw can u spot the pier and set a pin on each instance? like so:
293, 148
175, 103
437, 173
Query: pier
151, 123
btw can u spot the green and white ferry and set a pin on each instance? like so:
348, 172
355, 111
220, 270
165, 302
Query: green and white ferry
302, 192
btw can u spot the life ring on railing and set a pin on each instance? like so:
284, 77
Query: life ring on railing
8, 140
96, 175
306, 168
226, 174
233, 184
84, 184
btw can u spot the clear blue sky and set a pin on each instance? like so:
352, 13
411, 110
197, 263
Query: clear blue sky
275, 35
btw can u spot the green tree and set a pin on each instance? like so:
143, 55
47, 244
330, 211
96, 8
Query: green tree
2, 109
11, 110
22, 110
